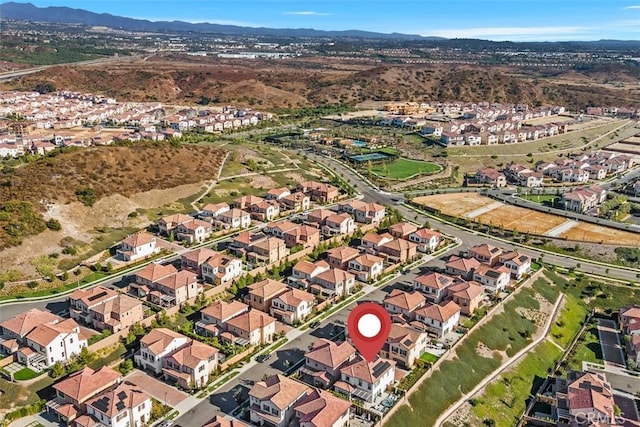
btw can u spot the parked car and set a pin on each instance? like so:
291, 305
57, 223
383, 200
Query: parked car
263, 357
314, 324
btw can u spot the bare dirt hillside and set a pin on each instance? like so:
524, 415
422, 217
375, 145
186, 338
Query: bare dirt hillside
307, 81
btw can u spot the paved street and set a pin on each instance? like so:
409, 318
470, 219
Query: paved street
227, 397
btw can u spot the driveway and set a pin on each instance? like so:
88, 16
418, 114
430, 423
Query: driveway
161, 391
610, 342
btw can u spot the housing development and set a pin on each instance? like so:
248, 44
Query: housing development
194, 216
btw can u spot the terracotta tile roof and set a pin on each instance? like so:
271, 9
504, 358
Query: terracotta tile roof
192, 354
124, 396
280, 390
343, 253
269, 244
176, 219
466, 290
320, 214
434, 280
158, 339
425, 233
399, 245
234, 213
308, 267
441, 313
630, 311
223, 310
199, 256
591, 390
216, 207
83, 384
377, 239
321, 409
84, 421
294, 297
267, 288
485, 250
354, 204
368, 260
462, 264
24, 322
118, 305
44, 334
194, 224
328, 353
93, 296
338, 218
178, 280
403, 228
282, 226
220, 421
277, 192
405, 300
367, 371
335, 275
251, 321
139, 239
154, 271
404, 335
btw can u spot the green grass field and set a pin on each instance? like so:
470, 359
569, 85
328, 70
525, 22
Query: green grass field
404, 168
588, 349
25, 374
428, 357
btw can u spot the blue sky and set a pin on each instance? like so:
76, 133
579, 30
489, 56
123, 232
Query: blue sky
518, 20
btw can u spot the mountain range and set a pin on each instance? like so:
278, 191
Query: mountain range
67, 15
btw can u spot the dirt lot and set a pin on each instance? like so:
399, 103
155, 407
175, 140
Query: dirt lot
456, 204
521, 219
552, 119
596, 233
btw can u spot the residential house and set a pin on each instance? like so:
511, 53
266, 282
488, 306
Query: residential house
194, 259
124, 404
279, 228
585, 199
370, 213
175, 289
404, 345
366, 381
366, 267
221, 269
350, 206
468, 296
74, 391
213, 319
485, 253
266, 210
150, 274
339, 257
372, 242
338, 225
433, 285
137, 246
214, 210
245, 202
629, 318
105, 309
194, 231
296, 202
253, 327
463, 267
269, 251
190, 366
261, 294
322, 409
318, 216
155, 346
426, 239
493, 279
319, 192
584, 398
234, 218
292, 306
304, 271
399, 251
302, 235
402, 230
272, 401
403, 305
439, 319
15, 330
49, 343
168, 224
333, 283
518, 264
324, 360
277, 193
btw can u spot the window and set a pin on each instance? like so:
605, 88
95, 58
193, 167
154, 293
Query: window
141, 406
121, 416
70, 340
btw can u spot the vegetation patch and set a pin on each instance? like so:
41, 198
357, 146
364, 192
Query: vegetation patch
18, 219
401, 169
25, 374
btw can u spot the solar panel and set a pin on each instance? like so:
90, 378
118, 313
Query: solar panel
380, 368
101, 404
95, 297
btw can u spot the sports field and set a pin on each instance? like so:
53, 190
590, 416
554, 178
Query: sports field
404, 168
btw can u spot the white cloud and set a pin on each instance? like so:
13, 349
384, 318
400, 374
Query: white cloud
510, 33
307, 13
632, 7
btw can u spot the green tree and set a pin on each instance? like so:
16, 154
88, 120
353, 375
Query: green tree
126, 367
57, 370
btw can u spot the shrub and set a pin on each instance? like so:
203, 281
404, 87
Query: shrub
53, 224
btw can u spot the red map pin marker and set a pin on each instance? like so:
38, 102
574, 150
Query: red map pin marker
369, 325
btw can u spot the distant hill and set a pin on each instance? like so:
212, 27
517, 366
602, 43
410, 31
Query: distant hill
66, 15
